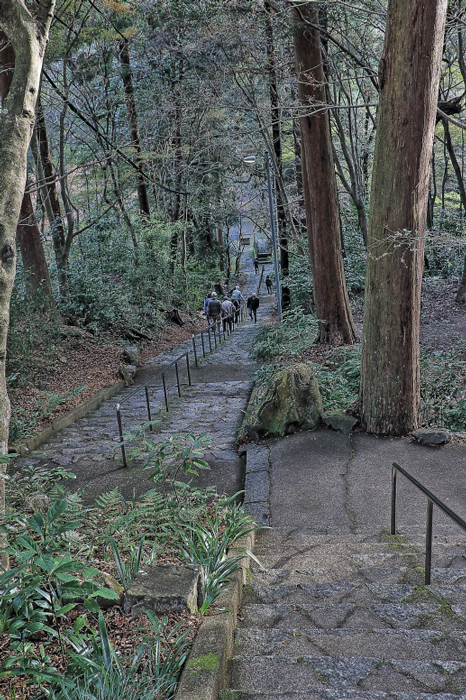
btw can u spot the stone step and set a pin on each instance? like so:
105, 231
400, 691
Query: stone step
417, 645
295, 537
434, 615
320, 560
311, 674
353, 574
331, 694
444, 553
330, 548
271, 587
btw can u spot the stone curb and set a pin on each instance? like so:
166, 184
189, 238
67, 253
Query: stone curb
204, 674
242, 433
68, 418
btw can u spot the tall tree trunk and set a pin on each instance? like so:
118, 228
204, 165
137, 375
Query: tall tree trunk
134, 126
276, 136
320, 191
460, 297
221, 248
28, 36
27, 231
178, 164
408, 78
59, 238
32, 254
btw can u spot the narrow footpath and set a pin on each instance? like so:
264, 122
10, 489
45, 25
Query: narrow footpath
213, 405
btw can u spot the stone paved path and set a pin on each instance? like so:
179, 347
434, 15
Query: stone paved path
213, 405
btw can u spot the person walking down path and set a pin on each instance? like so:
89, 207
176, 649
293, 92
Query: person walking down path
256, 266
253, 305
228, 309
206, 307
214, 308
237, 298
268, 284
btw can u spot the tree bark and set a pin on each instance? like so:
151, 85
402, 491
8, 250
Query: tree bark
408, 79
276, 136
61, 244
460, 297
32, 255
134, 126
28, 36
320, 191
27, 231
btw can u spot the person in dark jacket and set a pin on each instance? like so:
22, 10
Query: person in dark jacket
253, 305
268, 284
214, 308
206, 307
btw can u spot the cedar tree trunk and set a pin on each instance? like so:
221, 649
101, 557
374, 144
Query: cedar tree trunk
28, 35
276, 136
320, 190
408, 77
133, 125
61, 241
32, 254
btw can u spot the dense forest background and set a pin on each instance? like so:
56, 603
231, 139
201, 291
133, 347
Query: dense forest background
137, 188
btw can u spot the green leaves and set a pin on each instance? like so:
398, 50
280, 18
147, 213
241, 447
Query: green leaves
207, 545
40, 591
127, 571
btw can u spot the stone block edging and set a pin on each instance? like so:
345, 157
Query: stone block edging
68, 418
204, 674
242, 432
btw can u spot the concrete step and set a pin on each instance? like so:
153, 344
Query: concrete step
286, 536
417, 645
423, 615
310, 674
281, 586
329, 548
444, 553
274, 584
331, 694
319, 559
311, 535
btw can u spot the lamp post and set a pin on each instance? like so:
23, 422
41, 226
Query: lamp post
250, 160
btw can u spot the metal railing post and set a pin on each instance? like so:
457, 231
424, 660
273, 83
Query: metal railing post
177, 379
120, 429
393, 523
188, 368
149, 416
428, 564
195, 353
165, 391
202, 343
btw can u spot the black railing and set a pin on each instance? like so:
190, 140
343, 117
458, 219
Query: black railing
226, 324
431, 499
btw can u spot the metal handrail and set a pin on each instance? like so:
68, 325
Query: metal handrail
431, 499
235, 317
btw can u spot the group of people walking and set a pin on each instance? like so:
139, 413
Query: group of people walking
228, 309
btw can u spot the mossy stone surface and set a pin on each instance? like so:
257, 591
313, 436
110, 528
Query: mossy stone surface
291, 402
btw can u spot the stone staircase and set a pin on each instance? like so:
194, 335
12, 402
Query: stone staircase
337, 617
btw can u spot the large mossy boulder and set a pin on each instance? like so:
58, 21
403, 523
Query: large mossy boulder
290, 402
